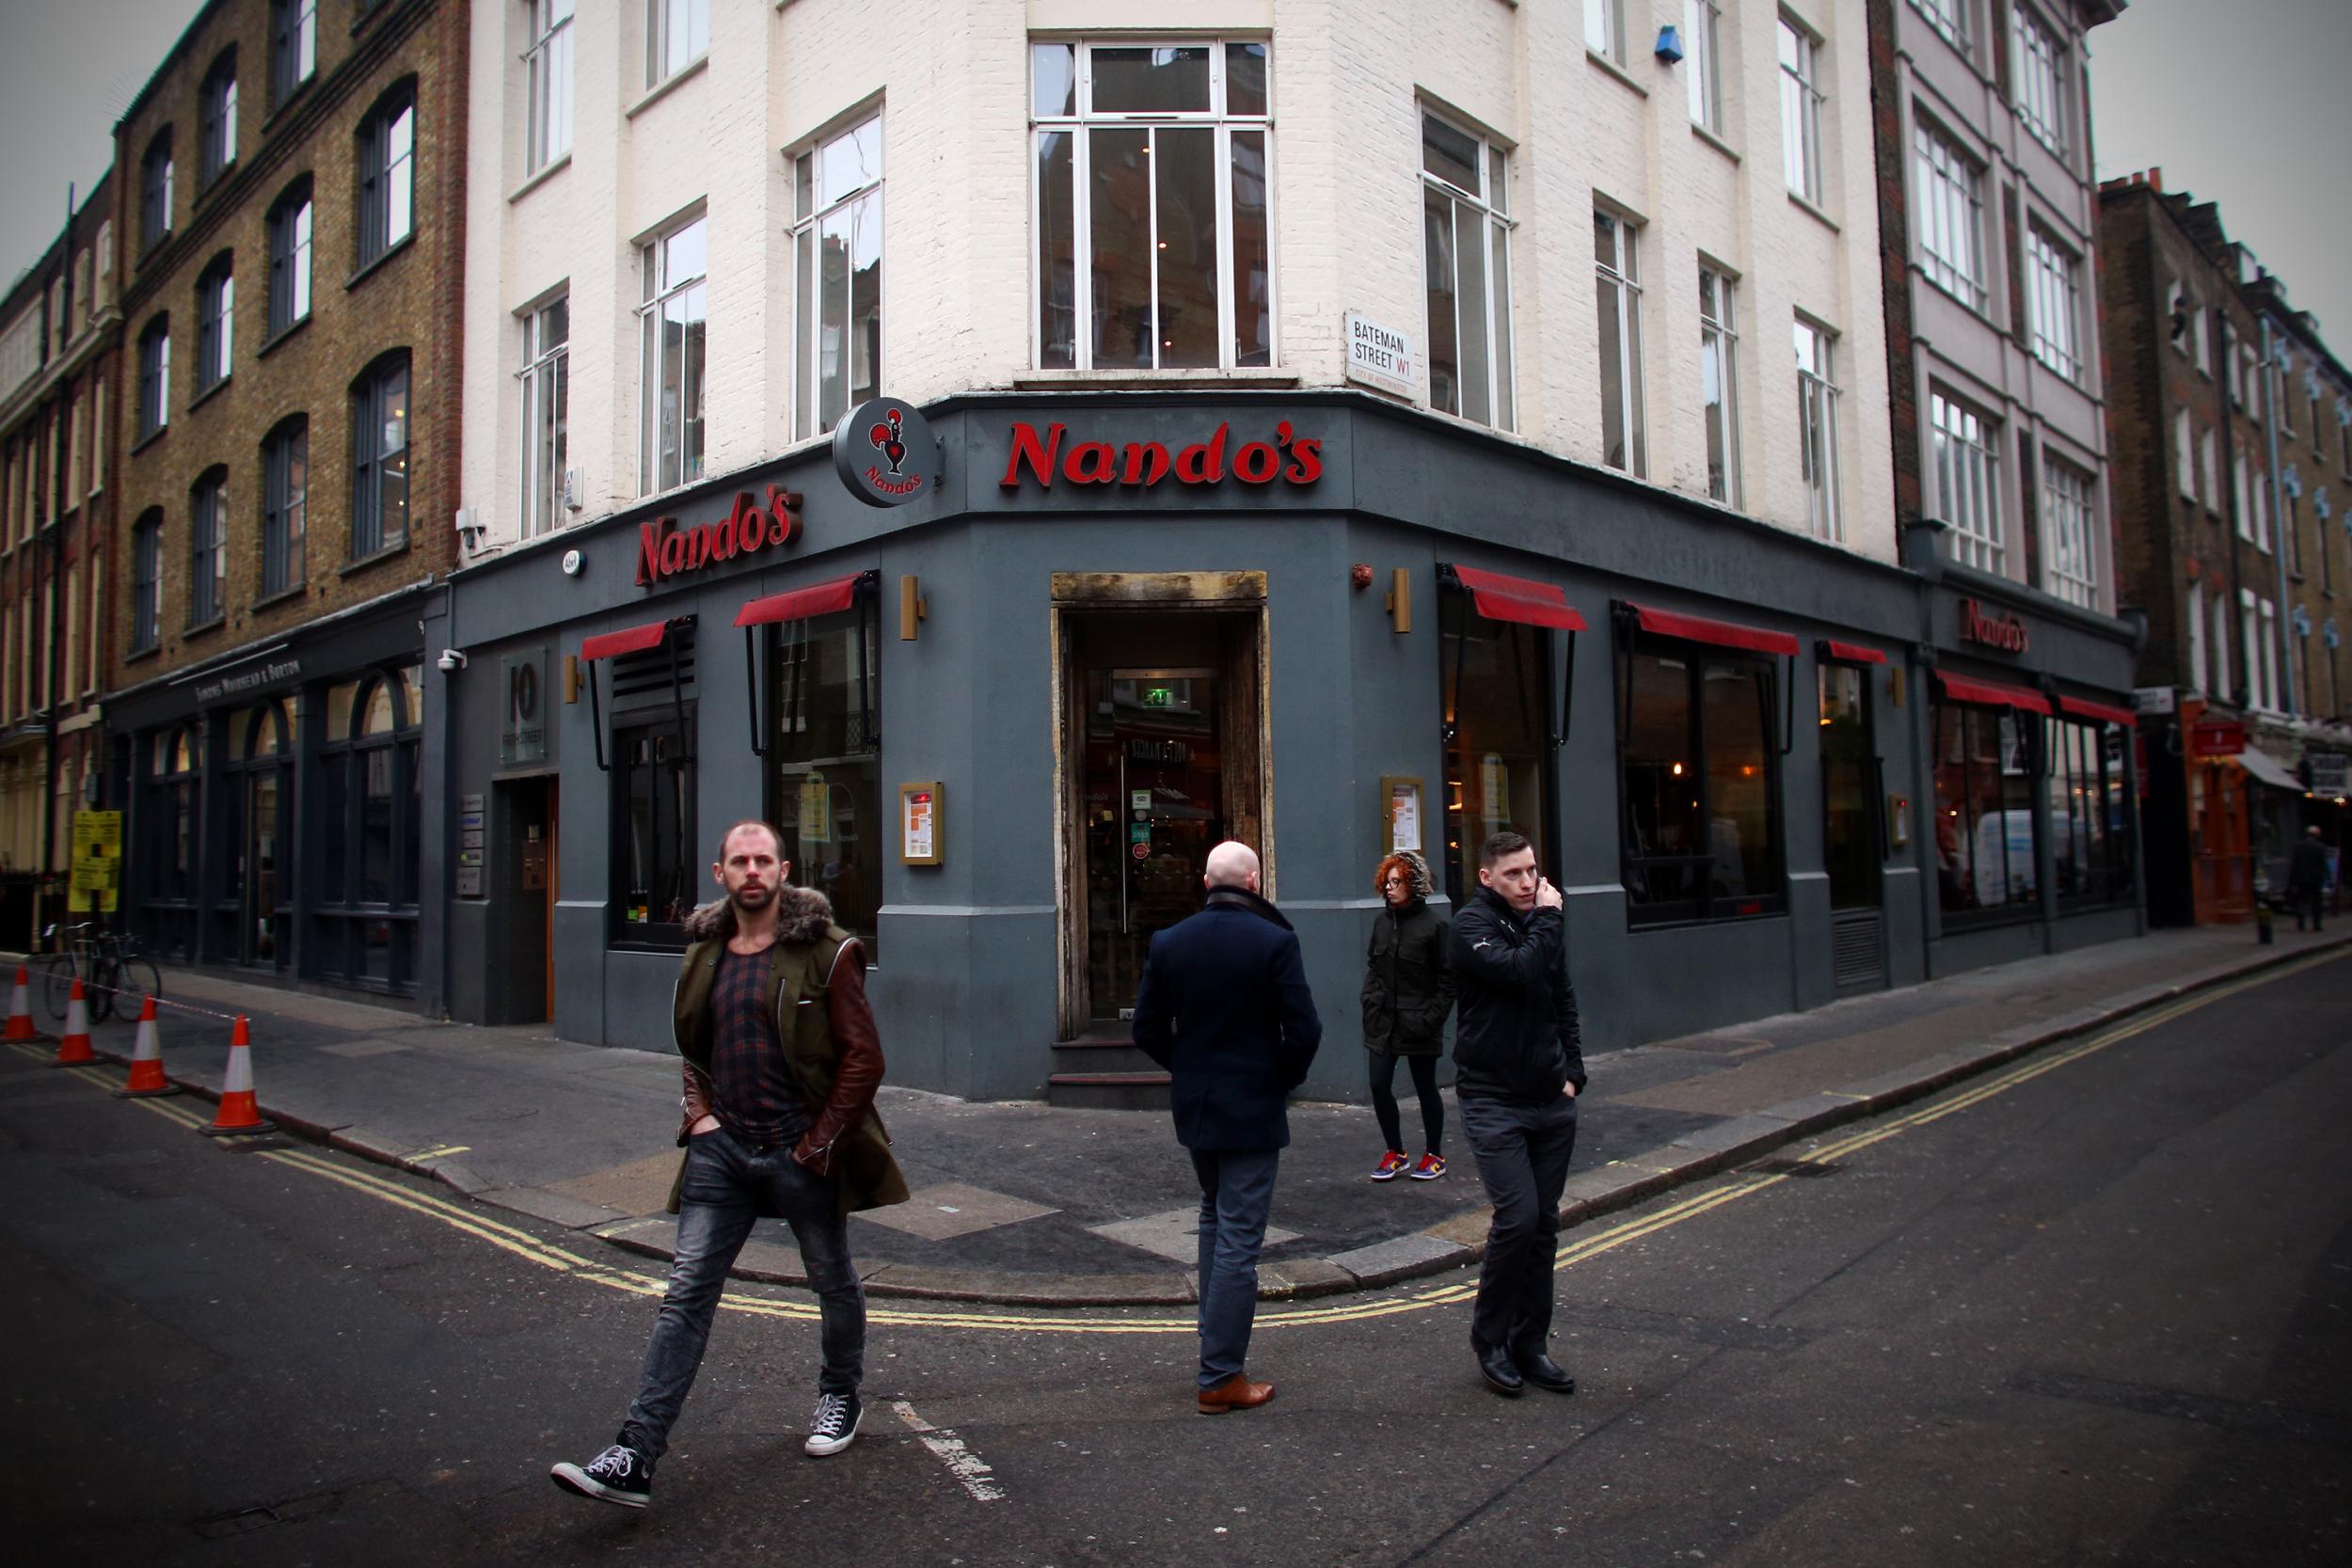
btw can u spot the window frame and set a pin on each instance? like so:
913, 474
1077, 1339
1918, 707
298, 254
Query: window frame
1718, 354
371, 399
1081, 123
1977, 534
208, 540
2068, 509
545, 378
292, 224
1951, 21
1499, 344
2039, 94
2026, 730
1802, 98
1607, 18
383, 196
147, 586
659, 290
1703, 64
1533, 658
660, 65
549, 68
216, 322
216, 120
1617, 291
1819, 402
812, 214
856, 768
1765, 672
677, 722
285, 507
157, 196
1948, 192
154, 350
2054, 303
293, 46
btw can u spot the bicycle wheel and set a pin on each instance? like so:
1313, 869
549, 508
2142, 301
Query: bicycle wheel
140, 979
56, 982
105, 975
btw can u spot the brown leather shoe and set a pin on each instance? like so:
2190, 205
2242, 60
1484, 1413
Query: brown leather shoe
1235, 1393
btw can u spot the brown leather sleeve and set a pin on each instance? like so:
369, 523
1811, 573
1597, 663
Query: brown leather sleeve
694, 1103
857, 1053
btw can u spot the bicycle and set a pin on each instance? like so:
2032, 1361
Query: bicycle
108, 964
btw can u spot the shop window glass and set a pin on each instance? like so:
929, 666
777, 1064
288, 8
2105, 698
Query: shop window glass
1984, 812
655, 868
2090, 829
825, 717
1701, 786
1498, 693
365, 929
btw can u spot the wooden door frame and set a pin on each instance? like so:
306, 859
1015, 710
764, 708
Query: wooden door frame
1226, 593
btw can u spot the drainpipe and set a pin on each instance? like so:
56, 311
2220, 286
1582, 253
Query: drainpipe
2278, 513
2242, 691
49, 705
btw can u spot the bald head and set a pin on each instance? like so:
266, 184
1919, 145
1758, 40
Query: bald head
1233, 864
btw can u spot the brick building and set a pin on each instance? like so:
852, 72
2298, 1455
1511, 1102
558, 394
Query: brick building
59, 338
2223, 554
291, 213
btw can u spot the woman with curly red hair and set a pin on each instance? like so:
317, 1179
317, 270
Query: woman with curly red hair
1409, 991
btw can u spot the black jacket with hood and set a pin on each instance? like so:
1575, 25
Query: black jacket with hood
1408, 974
1515, 1030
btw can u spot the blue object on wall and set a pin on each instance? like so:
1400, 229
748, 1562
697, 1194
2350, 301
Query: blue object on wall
1670, 43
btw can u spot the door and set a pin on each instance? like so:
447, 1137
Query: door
1853, 841
520, 986
1161, 764
264, 920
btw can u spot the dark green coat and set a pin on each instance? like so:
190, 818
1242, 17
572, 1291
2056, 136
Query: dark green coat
798, 966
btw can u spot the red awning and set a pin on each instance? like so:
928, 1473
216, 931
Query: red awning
798, 604
2082, 707
1854, 653
1499, 598
1723, 634
636, 639
1960, 688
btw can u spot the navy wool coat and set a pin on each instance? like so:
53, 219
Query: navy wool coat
1224, 1008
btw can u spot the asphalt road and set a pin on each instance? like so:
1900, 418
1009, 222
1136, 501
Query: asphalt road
2092, 1309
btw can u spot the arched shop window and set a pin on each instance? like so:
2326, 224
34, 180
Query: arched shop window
365, 913
254, 820
172, 840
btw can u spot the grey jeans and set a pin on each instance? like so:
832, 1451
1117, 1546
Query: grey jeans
729, 1186
1236, 1196
1523, 1153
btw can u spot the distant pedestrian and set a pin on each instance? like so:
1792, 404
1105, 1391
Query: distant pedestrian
1224, 1007
1409, 991
2307, 878
780, 1064
1518, 1066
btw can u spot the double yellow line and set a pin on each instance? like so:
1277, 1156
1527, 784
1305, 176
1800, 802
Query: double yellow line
1581, 1249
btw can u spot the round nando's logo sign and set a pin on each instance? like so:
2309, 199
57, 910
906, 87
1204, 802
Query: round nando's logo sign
885, 452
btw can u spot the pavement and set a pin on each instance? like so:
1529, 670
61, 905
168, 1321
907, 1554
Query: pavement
1015, 1202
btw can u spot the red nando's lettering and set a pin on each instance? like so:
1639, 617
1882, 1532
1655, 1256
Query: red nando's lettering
1293, 459
664, 550
2007, 634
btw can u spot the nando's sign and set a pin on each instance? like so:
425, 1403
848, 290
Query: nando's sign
1287, 456
2007, 634
665, 549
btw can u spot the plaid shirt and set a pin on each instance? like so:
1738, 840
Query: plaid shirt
754, 1095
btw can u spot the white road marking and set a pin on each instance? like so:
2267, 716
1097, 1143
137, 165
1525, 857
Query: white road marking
968, 1468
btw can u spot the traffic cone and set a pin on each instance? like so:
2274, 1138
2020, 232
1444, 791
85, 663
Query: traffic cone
21, 1005
74, 1050
238, 1113
147, 1061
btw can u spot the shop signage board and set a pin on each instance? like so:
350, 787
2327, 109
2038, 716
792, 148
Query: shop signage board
248, 680
2217, 738
885, 452
2003, 633
667, 549
2154, 699
523, 731
2331, 772
1281, 454
918, 824
97, 861
1379, 355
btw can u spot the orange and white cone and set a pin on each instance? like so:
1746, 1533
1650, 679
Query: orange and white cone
238, 1113
147, 1061
74, 1049
21, 1005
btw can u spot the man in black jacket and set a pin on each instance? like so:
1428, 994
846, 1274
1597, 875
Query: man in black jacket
2307, 878
1519, 1065
1224, 1007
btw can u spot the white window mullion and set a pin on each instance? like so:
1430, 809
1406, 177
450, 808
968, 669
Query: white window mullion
1082, 232
1221, 148
1152, 244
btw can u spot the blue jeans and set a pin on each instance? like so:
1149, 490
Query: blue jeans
1236, 1196
1523, 1153
729, 1186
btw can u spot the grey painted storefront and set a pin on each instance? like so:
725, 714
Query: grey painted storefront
969, 977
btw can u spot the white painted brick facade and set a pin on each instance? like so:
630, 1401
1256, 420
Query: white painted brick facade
1348, 78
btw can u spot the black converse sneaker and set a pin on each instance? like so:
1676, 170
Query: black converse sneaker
835, 1425
618, 1475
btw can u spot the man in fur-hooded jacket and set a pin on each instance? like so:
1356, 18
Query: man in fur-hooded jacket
781, 1064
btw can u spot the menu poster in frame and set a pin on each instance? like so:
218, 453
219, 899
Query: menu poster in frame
1401, 812
919, 840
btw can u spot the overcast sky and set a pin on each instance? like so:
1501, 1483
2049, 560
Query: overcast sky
2241, 101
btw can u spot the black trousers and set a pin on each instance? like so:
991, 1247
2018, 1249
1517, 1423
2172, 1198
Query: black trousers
1523, 1153
1424, 1070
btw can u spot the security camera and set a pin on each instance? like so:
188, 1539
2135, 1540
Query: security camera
451, 661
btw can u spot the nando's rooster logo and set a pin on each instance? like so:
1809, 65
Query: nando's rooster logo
885, 452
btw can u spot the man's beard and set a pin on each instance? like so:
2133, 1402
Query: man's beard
752, 898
